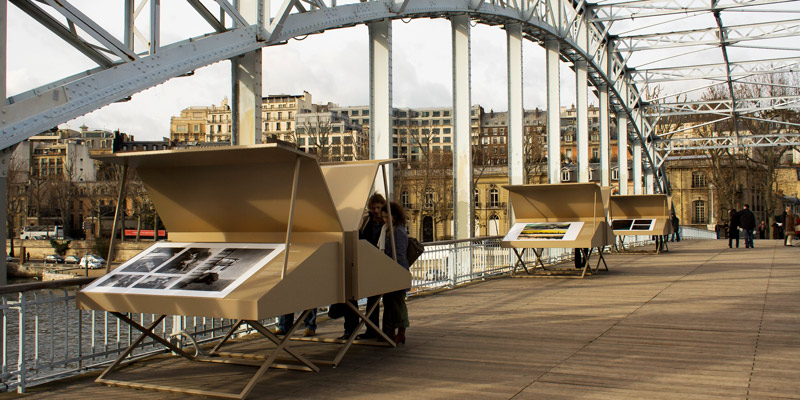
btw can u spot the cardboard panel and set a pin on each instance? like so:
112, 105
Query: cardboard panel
234, 189
350, 186
640, 206
557, 202
591, 235
377, 273
643, 206
313, 279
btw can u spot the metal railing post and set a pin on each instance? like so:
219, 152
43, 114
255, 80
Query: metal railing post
21, 367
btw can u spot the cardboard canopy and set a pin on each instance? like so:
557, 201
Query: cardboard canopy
641, 210
368, 271
240, 195
578, 203
234, 194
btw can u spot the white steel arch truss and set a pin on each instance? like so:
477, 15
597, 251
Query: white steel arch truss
585, 30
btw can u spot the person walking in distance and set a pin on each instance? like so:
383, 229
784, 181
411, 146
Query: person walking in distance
676, 227
788, 226
747, 220
733, 228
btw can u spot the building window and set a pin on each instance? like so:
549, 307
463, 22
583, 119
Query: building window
196, 128
699, 180
494, 198
699, 212
565, 176
476, 198
404, 199
615, 174
430, 199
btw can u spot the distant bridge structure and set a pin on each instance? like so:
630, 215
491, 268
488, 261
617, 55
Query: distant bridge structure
584, 34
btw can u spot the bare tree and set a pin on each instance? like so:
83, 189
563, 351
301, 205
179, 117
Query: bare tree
317, 132
16, 188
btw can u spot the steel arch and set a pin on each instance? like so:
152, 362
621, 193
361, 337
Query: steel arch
29, 113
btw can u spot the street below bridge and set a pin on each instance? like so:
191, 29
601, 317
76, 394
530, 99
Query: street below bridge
701, 321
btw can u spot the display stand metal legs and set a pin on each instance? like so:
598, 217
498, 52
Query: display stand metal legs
364, 320
215, 356
538, 265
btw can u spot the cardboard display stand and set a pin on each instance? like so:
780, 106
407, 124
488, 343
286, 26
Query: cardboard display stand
230, 198
566, 215
643, 214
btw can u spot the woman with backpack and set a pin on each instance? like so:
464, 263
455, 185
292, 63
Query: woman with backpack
395, 312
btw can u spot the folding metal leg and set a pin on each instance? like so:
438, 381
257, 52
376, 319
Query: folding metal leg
601, 259
586, 263
282, 345
364, 320
520, 262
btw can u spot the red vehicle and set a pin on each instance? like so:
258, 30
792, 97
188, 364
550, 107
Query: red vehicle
145, 234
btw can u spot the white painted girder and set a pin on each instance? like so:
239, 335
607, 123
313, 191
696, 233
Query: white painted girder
714, 71
42, 109
558, 19
622, 10
710, 36
723, 107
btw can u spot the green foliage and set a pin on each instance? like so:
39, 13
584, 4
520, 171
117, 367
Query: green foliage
60, 248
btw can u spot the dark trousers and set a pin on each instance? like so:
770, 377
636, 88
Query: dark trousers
375, 317
733, 236
351, 318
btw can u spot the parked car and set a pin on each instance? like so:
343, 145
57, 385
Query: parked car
54, 258
92, 262
71, 260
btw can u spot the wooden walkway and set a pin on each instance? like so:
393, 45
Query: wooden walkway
700, 322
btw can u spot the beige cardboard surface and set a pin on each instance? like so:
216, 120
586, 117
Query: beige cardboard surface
377, 273
368, 271
563, 202
650, 206
312, 279
242, 194
556, 202
234, 189
350, 186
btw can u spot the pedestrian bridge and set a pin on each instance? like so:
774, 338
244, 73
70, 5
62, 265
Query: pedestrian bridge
700, 321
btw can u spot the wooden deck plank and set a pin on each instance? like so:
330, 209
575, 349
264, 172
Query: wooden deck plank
700, 322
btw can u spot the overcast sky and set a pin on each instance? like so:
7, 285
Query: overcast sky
333, 67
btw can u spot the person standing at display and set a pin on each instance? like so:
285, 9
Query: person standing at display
676, 226
395, 312
788, 226
370, 230
733, 228
747, 220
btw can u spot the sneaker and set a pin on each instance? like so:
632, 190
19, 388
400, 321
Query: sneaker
278, 331
345, 336
309, 332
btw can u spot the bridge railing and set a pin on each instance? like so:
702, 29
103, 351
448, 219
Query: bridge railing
45, 336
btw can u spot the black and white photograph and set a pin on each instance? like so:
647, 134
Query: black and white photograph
151, 260
222, 269
189, 269
120, 280
186, 261
632, 224
156, 282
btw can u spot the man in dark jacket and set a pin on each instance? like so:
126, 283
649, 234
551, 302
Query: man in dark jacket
676, 228
748, 223
733, 228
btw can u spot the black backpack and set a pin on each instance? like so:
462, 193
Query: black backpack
415, 249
